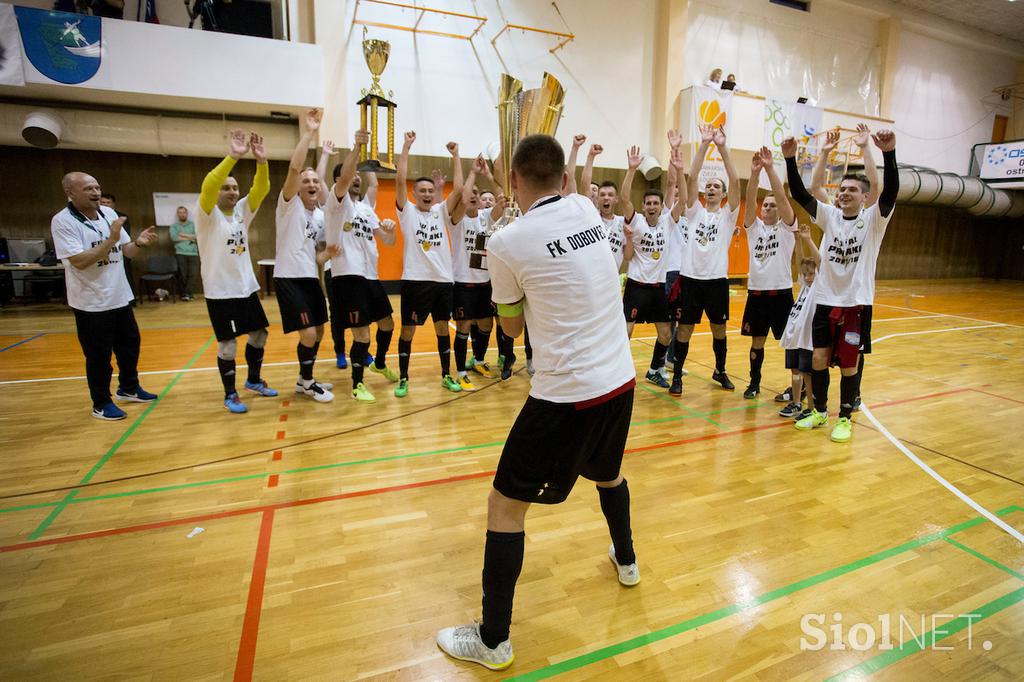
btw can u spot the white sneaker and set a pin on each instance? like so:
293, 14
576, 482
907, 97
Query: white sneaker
326, 385
317, 391
628, 575
463, 642
529, 367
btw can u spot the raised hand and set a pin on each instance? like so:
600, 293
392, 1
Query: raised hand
479, 165
788, 147
766, 157
453, 148
328, 146
805, 231
861, 138
256, 145
755, 165
627, 232
885, 140
362, 138
719, 137
675, 138
238, 144
115, 228
595, 150
633, 157
146, 237
313, 117
707, 133
410, 137
676, 160
831, 140
437, 177
578, 140
387, 226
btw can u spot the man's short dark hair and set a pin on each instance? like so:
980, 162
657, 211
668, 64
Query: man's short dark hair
539, 160
109, 196
608, 183
865, 184
487, 191
654, 192
422, 178
337, 171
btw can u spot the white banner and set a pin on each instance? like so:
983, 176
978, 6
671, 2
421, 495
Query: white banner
11, 72
713, 107
1003, 162
790, 119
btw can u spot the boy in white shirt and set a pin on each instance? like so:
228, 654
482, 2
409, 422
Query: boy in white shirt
796, 338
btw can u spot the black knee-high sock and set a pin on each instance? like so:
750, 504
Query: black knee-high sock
658, 356
316, 349
404, 350
357, 356
444, 352
860, 373
254, 358
719, 346
474, 338
681, 349
526, 341
307, 356
481, 340
383, 345
756, 360
819, 387
503, 561
847, 394
505, 345
460, 348
227, 375
615, 505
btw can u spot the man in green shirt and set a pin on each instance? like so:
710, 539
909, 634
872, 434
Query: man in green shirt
186, 250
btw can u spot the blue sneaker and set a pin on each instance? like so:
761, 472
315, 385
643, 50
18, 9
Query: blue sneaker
136, 396
109, 412
342, 361
260, 388
234, 404
368, 362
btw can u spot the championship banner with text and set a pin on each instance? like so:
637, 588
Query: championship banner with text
713, 107
1003, 163
790, 119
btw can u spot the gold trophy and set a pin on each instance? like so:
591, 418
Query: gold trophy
376, 52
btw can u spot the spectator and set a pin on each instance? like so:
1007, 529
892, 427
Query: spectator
715, 79
186, 250
107, 199
731, 78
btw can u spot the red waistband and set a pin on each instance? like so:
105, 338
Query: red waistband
593, 402
767, 292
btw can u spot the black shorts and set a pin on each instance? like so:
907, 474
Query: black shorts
420, 299
799, 359
821, 328
766, 311
472, 301
357, 301
233, 317
644, 302
552, 444
699, 296
301, 302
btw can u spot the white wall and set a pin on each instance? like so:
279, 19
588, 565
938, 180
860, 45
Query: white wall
943, 102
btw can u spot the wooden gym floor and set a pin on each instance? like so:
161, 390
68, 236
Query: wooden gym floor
308, 541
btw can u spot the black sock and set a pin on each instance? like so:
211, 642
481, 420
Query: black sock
404, 349
254, 359
357, 356
227, 375
819, 387
460, 348
615, 505
444, 352
505, 346
860, 373
756, 360
474, 339
526, 341
307, 356
316, 349
481, 340
682, 348
383, 345
503, 561
719, 346
658, 356
847, 394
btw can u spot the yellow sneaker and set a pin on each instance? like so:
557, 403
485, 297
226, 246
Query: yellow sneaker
362, 394
465, 383
812, 421
482, 369
386, 372
843, 431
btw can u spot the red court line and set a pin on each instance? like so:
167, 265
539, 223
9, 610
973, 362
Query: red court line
996, 395
406, 486
254, 606
285, 403
284, 417
277, 455
280, 435
272, 481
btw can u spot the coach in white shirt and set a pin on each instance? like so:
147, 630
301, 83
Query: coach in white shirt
88, 239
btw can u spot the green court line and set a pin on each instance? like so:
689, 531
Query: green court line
913, 646
116, 446
692, 413
390, 458
687, 625
987, 560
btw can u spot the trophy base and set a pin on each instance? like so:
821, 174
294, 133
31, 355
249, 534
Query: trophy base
375, 166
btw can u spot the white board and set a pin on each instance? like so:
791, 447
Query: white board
165, 206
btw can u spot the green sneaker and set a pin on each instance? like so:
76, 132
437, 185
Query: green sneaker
501, 361
843, 431
451, 384
812, 421
361, 394
402, 389
387, 372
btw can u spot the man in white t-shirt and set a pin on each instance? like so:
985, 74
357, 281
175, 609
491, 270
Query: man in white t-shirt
300, 298
357, 297
88, 239
647, 238
229, 283
607, 202
426, 262
704, 271
845, 285
552, 270
771, 240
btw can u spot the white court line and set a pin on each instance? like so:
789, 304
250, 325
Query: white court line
961, 317
938, 331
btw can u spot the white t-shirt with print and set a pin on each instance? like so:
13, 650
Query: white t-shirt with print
102, 285
650, 257
771, 255
616, 237
225, 263
299, 229
706, 251
675, 239
556, 257
464, 246
350, 225
797, 334
426, 249
849, 253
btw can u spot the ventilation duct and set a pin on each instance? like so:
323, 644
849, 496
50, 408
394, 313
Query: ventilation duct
926, 187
